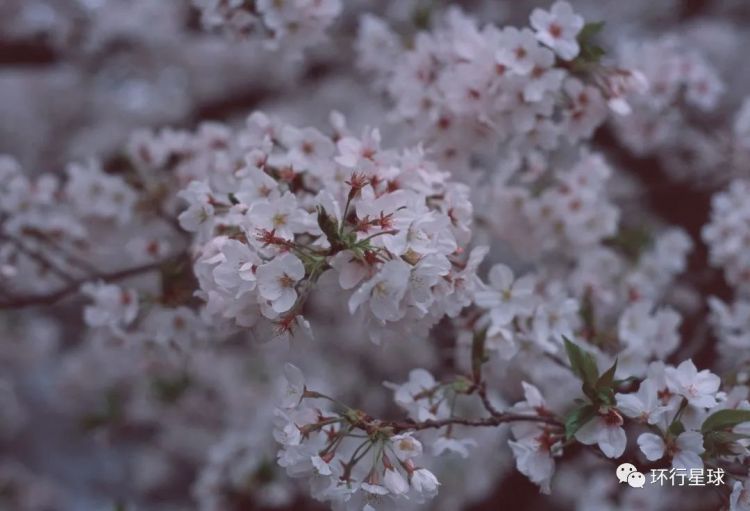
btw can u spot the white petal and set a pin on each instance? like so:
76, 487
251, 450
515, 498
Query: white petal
285, 302
651, 445
613, 441
630, 405
690, 441
589, 433
501, 277
687, 460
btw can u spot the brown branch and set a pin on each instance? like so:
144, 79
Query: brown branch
72, 258
42, 261
20, 302
482, 392
494, 421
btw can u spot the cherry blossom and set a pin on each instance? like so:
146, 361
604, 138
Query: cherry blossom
739, 499
685, 450
277, 280
698, 387
506, 297
558, 29
534, 460
606, 431
113, 306
643, 405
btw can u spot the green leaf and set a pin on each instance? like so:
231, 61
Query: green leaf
605, 396
327, 224
265, 473
478, 356
590, 53
590, 30
583, 364
607, 379
725, 419
462, 385
109, 413
169, 390
595, 52
577, 418
587, 313
725, 436
676, 429
421, 17
605, 386
330, 228
722, 443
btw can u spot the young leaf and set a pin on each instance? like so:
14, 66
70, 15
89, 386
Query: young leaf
478, 356
169, 390
607, 379
676, 428
605, 396
590, 30
577, 418
722, 443
590, 51
330, 228
582, 363
724, 419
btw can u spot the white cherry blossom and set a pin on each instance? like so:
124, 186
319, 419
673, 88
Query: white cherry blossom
698, 387
505, 297
277, 281
685, 450
558, 28
605, 430
112, 307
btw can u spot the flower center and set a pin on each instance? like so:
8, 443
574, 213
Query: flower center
380, 289
279, 220
692, 390
613, 418
405, 445
286, 281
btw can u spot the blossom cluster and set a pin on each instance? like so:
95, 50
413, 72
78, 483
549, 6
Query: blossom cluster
467, 88
727, 234
346, 468
284, 207
442, 249
296, 23
681, 83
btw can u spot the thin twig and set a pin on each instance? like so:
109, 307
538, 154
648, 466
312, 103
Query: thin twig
42, 261
72, 259
20, 302
482, 392
495, 420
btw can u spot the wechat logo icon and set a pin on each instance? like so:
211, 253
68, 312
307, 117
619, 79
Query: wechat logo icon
627, 473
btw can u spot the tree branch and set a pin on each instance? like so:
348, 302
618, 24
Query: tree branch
494, 421
20, 302
43, 262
